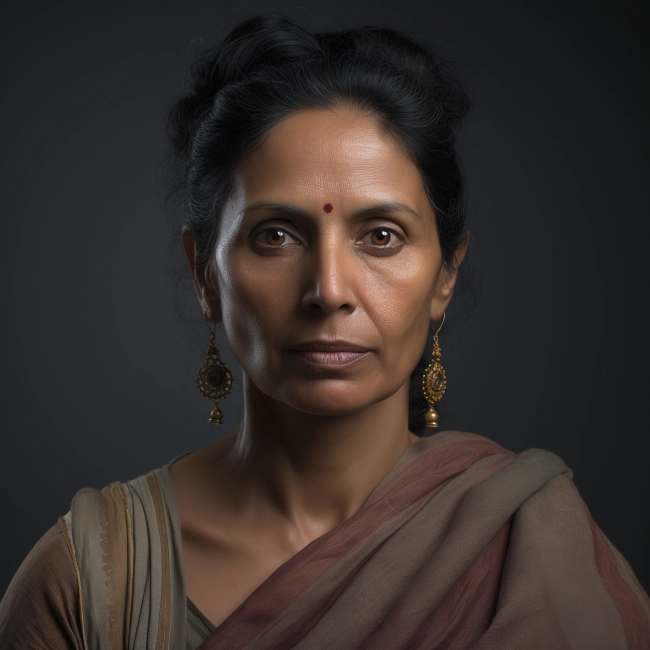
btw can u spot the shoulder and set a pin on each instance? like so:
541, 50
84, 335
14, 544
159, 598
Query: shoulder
469, 438
557, 544
125, 540
531, 460
40, 608
452, 442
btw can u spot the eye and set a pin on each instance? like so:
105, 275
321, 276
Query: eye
274, 237
383, 238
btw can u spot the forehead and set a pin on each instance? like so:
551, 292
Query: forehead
331, 155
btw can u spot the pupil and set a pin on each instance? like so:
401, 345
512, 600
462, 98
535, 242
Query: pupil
276, 236
383, 236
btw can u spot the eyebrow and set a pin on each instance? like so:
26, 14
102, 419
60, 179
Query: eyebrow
378, 208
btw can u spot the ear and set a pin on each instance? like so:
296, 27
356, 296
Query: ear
206, 289
446, 282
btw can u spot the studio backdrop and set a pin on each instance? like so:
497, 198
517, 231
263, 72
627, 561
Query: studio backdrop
102, 332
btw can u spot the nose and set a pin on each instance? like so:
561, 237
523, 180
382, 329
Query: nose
329, 277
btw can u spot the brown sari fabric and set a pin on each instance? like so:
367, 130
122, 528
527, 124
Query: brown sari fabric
462, 545
40, 610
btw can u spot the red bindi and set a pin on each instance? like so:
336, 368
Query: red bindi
328, 207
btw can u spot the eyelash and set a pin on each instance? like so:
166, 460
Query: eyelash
375, 246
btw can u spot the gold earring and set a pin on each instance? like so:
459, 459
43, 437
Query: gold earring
434, 382
214, 380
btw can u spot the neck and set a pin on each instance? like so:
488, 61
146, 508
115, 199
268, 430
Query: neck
313, 470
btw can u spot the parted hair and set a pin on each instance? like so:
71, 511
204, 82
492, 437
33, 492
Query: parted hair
268, 67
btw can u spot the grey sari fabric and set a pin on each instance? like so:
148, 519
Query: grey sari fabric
126, 545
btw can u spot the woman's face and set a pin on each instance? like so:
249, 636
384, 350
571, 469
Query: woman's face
328, 236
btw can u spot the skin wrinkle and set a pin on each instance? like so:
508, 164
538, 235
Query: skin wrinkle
313, 442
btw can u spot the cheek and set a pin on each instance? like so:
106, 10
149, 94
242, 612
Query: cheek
400, 298
254, 308
399, 302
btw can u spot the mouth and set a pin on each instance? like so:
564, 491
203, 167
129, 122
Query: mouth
330, 354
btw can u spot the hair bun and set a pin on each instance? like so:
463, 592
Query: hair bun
266, 40
426, 65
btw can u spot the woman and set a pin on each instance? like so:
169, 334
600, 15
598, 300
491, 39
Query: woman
326, 228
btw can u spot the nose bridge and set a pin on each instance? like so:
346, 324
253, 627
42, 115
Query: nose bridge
329, 274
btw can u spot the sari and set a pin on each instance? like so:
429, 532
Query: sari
462, 545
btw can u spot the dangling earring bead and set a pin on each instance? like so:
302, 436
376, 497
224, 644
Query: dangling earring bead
214, 380
434, 382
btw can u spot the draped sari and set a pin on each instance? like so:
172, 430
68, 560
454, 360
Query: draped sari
463, 544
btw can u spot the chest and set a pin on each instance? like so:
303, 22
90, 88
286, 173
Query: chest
220, 574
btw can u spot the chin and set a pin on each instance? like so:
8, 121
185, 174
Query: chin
327, 403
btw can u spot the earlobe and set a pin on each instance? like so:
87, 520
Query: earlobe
443, 296
439, 305
210, 299
205, 288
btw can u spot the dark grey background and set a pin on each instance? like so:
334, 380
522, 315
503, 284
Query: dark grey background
99, 358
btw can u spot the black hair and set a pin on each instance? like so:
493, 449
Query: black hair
267, 68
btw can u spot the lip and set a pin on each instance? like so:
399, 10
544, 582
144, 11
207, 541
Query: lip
337, 345
330, 354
